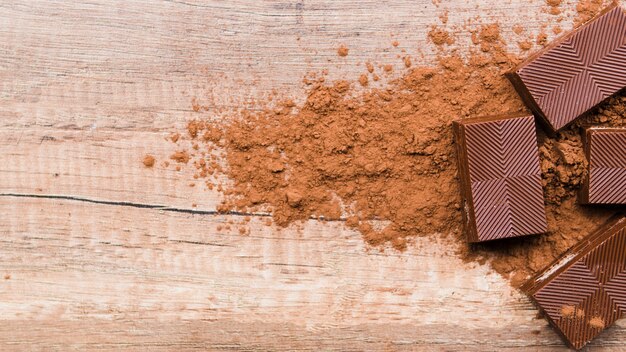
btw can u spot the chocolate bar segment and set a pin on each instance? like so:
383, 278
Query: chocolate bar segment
577, 71
584, 291
605, 182
500, 177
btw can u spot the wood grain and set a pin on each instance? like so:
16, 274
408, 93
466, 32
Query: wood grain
100, 253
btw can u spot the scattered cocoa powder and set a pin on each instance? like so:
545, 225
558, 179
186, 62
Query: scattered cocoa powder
597, 323
383, 155
383, 159
518, 29
567, 311
440, 36
363, 80
489, 37
180, 156
571, 312
525, 45
407, 61
148, 160
587, 9
342, 51
542, 38
195, 106
388, 68
444, 17
7, 277
490, 33
395, 43
193, 128
554, 6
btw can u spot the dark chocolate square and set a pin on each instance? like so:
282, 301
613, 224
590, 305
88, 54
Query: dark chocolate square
605, 182
584, 292
577, 71
500, 177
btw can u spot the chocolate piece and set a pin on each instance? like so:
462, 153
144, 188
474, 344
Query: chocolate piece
500, 177
577, 71
584, 291
605, 182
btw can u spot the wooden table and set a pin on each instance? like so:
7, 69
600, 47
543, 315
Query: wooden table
99, 253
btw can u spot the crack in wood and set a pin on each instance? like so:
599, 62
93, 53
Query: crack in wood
298, 265
150, 206
201, 243
131, 204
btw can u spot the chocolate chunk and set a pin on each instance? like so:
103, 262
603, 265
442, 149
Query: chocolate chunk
605, 182
584, 291
500, 177
577, 71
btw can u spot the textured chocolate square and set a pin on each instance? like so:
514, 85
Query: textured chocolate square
584, 291
605, 182
577, 71
500, 177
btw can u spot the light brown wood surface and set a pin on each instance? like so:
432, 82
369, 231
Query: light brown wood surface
99, 253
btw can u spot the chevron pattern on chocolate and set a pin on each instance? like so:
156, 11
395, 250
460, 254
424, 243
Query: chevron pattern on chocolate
607, 167
593, 288
551, 296
616, 289
505, 178
492, 210
527, 206
487, 160
608, 149
580, 71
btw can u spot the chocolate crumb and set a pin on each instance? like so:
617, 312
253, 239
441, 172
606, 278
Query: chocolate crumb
342, 51
525, 45
407, 61
180, 157
567, 311
148, 160
363, 80
542, 39
597, 323
440, 37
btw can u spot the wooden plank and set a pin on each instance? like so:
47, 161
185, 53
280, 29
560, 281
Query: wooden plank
99, 166
136, 65
132, 272
110, 276
105, 254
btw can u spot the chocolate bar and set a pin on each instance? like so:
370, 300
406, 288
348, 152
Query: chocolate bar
605, 182
584, 292
576, 72
500, 177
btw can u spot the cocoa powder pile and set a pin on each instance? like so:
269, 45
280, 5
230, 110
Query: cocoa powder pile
383, 159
